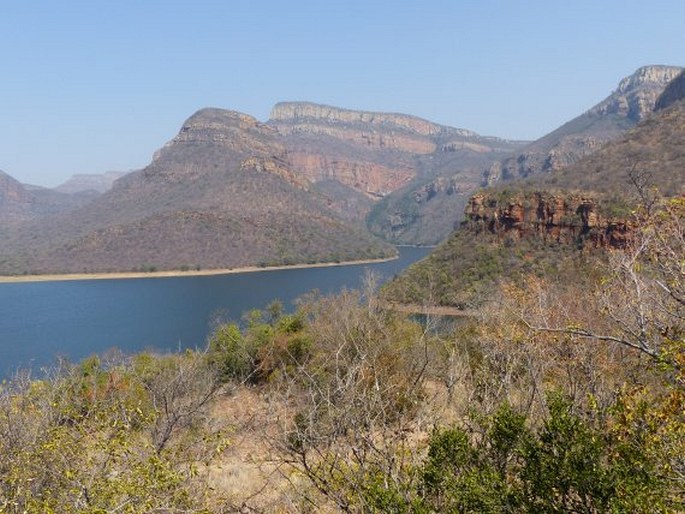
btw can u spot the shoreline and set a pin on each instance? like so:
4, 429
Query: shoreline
60, 277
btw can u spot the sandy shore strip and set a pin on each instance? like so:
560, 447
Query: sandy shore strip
179, 273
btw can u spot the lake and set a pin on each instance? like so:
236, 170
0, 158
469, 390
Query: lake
42, 320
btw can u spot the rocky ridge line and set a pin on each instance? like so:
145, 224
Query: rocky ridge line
633, 100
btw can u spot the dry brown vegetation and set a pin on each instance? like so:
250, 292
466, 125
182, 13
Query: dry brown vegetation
555, 396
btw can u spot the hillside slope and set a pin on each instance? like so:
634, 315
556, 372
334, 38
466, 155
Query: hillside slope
220, 194
20, 203
631, 102
426, 211
554, 224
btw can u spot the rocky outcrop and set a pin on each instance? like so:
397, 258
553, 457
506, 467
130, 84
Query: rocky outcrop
444, 185
632, 101
371, 178
303, 113
563, 218
637, 94
232, 130
276, 167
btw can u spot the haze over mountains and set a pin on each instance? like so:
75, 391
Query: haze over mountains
97, 182
308, 185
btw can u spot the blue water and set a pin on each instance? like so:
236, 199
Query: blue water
40, 321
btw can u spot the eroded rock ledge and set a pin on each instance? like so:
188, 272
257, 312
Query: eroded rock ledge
563, 217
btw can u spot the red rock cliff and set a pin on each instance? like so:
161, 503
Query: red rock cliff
565, 218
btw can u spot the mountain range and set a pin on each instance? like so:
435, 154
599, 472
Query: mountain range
313, 183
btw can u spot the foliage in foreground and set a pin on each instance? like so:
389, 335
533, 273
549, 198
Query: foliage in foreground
124, 436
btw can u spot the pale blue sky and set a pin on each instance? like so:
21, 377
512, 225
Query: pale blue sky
91, 86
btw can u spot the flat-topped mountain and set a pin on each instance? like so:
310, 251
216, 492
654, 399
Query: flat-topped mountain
301, 112
310, 183
398, 159
237, 191
220, 194
630, 103
374, 153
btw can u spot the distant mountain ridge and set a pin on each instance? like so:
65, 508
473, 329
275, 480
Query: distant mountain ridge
97, 182
20, 203
633, 100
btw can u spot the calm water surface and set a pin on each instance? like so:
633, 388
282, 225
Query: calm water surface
42, 320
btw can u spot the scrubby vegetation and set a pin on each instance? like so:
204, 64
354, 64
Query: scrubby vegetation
555, 396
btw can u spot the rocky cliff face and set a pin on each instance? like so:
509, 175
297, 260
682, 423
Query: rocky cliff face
371, 178
304, 113
512, 236
395, 160
674, 92
637, 94
233, 130
562, 218
374, 153
632, 101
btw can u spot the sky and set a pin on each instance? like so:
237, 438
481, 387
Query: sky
99, 85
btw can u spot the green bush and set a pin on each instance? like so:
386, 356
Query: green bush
570, 464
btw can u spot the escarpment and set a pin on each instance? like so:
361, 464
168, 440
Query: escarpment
375, 153
568, 218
